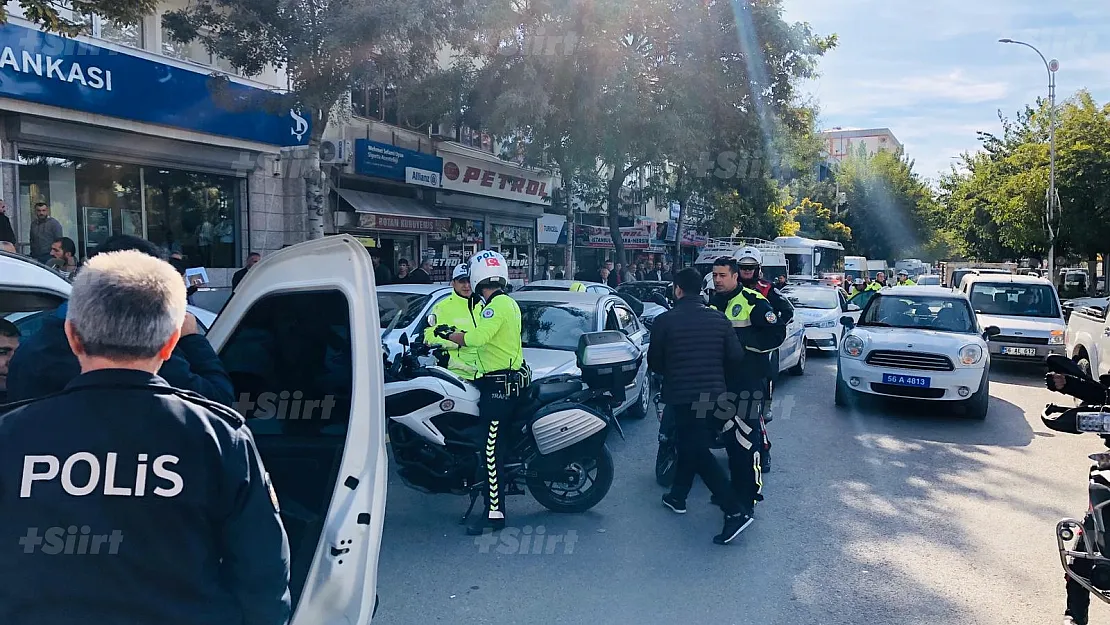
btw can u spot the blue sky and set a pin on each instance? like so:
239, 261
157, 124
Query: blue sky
934, 73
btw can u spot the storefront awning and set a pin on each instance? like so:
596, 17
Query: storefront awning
384, 212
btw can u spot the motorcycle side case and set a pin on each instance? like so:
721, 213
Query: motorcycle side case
564, 424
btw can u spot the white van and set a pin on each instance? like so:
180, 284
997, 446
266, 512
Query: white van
1026, 308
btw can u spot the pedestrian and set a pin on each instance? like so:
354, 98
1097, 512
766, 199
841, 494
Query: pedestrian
503, 375
238, 276
6, 232
422, 274
166, 486
668, 275
402, 269
757, 326
780, 281
382, 274
44, 231
604, 273
44, 363
9, 342
691, 348
8, 246
63, 252
904, 279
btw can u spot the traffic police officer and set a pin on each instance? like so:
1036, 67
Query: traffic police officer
458, 311
503, 376
168, 484
751, 315
904, 279
878, 283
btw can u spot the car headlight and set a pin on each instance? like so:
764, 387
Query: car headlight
853, 346
971, 354
1056, 337
831, 323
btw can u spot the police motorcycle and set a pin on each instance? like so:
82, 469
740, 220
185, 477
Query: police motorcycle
556, 449
1085, 541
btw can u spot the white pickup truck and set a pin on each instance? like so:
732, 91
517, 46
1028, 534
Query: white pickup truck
1087, 338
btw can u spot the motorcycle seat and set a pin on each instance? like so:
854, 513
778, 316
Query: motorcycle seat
548, 391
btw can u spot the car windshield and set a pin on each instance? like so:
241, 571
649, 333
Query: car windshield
542, 287
407, 305
824, 299
554, 325
1014, 300
945, 314
929, 281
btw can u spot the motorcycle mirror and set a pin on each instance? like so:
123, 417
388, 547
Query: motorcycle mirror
992, 330
1062, 364
404, 340
847, 321
431, 320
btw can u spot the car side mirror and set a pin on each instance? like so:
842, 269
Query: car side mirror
847, 322
992, 331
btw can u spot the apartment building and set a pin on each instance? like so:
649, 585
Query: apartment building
840, 142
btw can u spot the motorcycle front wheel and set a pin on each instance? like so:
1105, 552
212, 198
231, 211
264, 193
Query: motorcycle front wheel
588, 482
664, 464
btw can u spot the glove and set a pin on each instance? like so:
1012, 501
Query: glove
444, 331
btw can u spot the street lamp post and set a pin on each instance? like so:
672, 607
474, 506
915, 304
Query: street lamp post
1051, 66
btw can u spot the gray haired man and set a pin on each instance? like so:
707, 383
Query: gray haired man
166, 487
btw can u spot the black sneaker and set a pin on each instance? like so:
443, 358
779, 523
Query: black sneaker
734, 524
676, 505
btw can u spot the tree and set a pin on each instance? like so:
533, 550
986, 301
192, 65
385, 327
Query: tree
327, 47
816, 221
46, 13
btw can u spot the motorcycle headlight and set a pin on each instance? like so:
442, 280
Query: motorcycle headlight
971, 354
853, 346
1056, 337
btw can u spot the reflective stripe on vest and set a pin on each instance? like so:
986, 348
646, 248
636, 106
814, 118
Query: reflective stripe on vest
739, 309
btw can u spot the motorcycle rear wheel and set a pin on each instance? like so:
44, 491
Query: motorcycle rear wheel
595, 479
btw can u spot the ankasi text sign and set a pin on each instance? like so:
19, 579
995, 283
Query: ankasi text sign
393, 163
504, 181
47, 69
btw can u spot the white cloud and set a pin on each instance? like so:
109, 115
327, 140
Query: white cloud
953, 86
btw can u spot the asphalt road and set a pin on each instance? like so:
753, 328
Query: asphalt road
883, 514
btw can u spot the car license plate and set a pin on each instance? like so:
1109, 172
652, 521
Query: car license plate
1019, 351
905, 380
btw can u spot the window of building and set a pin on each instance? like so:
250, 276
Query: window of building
190, 213
119, 33
195, 52
515, 244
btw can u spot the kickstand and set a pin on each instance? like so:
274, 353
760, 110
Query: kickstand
620, 430
473, 498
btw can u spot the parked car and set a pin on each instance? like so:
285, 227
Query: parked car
412, 303
928, 280
916, 342
552, 322
1088, 337
303, 318
643, 310
1026, 309
1069, 306
820, 309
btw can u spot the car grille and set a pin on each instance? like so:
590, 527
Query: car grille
907, 391
909, 360
1023, 340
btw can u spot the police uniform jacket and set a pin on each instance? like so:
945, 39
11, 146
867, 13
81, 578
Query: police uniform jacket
44, 364
128, 501
692, 347
759, 333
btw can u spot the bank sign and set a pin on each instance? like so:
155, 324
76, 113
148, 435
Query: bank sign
48, 69
503, 181
393, 163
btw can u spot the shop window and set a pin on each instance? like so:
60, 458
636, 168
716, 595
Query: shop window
119, 33
515, 244
189, 213
193, 214
447, 249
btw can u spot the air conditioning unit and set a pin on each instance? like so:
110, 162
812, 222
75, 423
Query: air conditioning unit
337, 152
442, 132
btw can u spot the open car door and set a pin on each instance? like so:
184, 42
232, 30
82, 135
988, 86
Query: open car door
301, 341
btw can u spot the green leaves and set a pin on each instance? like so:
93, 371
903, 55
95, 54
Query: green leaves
46, 13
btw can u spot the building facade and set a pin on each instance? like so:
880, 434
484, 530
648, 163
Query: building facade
124, 132
840, 142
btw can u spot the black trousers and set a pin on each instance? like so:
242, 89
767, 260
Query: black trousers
693, 437
744, 444
496, 409
1079, 599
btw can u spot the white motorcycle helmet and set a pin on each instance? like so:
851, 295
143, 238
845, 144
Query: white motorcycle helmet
488, 268
749, 254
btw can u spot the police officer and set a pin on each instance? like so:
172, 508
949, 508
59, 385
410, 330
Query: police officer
456, 310
754, 320
166, 486
878, 283
503, 376
904, 279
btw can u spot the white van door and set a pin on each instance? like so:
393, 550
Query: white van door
301, 341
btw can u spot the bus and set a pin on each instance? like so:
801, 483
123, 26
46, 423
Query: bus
812, 258
774, 261
855, 267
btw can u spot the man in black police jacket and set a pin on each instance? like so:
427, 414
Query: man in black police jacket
691, 347
126, 500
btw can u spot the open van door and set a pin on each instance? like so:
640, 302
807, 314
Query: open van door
301, 341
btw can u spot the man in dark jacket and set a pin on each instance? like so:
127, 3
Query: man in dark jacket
422, 274
6, 232
692, 346
44, 363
